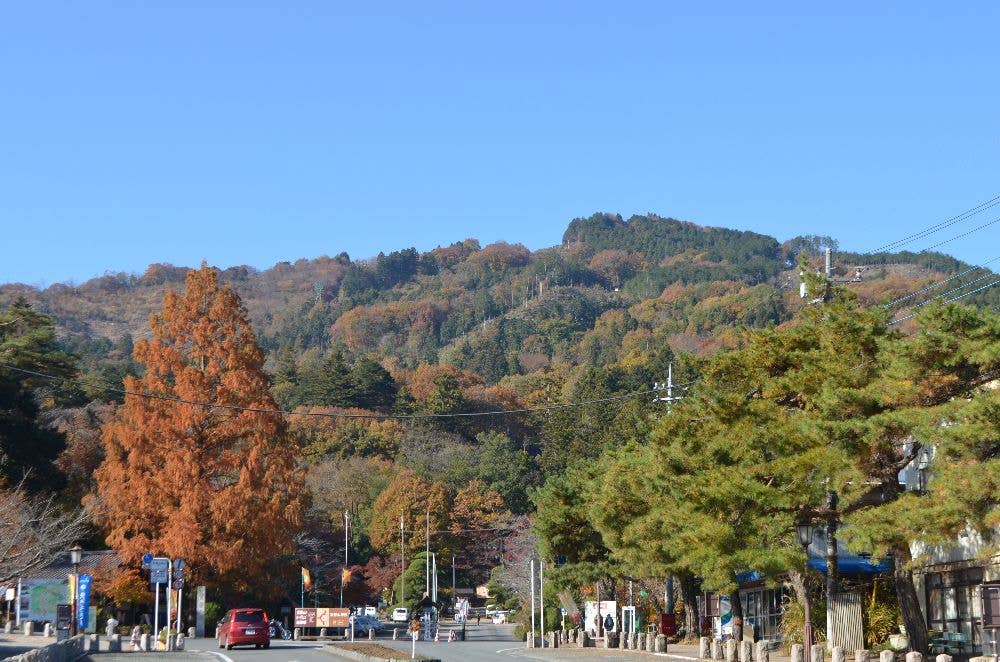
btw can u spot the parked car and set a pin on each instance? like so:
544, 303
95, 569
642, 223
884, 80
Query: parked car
400, 615
244, 627
499, 617
362, 624
371, 611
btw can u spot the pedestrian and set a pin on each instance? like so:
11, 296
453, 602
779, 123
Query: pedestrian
135, 638
609, 623
479, 615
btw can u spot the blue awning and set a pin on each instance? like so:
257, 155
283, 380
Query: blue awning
850, 563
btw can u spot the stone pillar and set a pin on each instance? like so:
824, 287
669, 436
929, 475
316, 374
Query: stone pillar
796, 653
651, 642
115, 643
29, 628
179, 642
47, 630
731, 650
93, 644
943, 658
623, 640
761, 653
861, 655
633, 640
8, 627
323, 633
818, 653
887, 656
191, 632
144, 642
914, 657
297, 632
583, 640
704, 648
641, 643
717, 649
371, 633
661, 644
837, 655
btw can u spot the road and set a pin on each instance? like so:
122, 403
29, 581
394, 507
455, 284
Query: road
488, 642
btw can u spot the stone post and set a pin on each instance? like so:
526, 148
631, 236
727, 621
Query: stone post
583, 640
943, 658
887, 656
93, 644
837, 655
761, 653
818, 653
323, 633
746, 651
47, 630
661, 644
914, 657
641, 643
144, 642
796, 653
178, 642
861, 655
704, 648
297, 632
371, 633
623, 640
191, 632
115, 643
717, 649
651, 642
731, 650
633, 640
29, 628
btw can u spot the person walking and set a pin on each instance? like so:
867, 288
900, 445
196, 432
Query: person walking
479, 615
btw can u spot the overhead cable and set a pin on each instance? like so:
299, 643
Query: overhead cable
375, 416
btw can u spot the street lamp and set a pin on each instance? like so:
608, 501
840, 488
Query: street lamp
805, 533
75, 556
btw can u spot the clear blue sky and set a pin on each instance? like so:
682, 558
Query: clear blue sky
255, 132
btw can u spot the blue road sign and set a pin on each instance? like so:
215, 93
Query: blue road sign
147, 558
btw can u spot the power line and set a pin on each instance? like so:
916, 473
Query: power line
285, 412
961, 296
951, 291
958, 218
964, 234
940, 282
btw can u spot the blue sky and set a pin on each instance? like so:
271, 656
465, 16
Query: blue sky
250, 133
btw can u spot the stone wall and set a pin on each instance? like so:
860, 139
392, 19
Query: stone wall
62, 651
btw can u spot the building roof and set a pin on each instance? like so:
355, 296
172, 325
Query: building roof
91, 562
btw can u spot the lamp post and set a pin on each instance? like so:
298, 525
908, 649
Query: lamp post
805, 533
75, 556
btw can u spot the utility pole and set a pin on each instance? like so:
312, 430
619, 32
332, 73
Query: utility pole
454, 598
343, 575
667, 386
541, 599
831, 566
402, 564
532, 603
427, 557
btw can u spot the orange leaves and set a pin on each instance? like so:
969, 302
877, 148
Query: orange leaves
215, 486
410, 497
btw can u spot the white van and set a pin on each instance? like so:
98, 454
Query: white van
370, 611
400, 615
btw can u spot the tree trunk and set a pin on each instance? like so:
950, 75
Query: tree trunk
906, 594
737, 608
798, 582
689, 594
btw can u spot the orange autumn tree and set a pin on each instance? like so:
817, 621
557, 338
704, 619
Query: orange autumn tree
411, 497
216, 486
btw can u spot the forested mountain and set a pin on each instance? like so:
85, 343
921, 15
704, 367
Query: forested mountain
459, 329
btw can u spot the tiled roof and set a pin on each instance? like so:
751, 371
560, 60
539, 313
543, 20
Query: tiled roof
91, 562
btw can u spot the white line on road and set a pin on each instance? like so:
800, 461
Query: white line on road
225, 658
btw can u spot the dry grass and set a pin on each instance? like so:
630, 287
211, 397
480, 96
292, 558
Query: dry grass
378, 650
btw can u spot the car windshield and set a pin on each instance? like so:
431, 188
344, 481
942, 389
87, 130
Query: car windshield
249, 616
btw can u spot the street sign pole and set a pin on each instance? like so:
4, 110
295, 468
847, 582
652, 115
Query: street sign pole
156, 611
170, 568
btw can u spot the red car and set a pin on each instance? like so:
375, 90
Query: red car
244, 627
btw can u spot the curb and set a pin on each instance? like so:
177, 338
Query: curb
361, 657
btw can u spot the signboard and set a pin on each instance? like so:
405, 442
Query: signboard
39, 598
64, 616
668, 624
590, 613
83, 602
199, 621
158, 568
322, 617
989, 595
147, 559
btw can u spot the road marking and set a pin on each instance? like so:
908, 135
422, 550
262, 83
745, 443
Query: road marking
226, 658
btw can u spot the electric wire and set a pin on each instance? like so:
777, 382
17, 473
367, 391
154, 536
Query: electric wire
315, 414
940, 282
944, 294
964, 234
961, 296
958, 218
